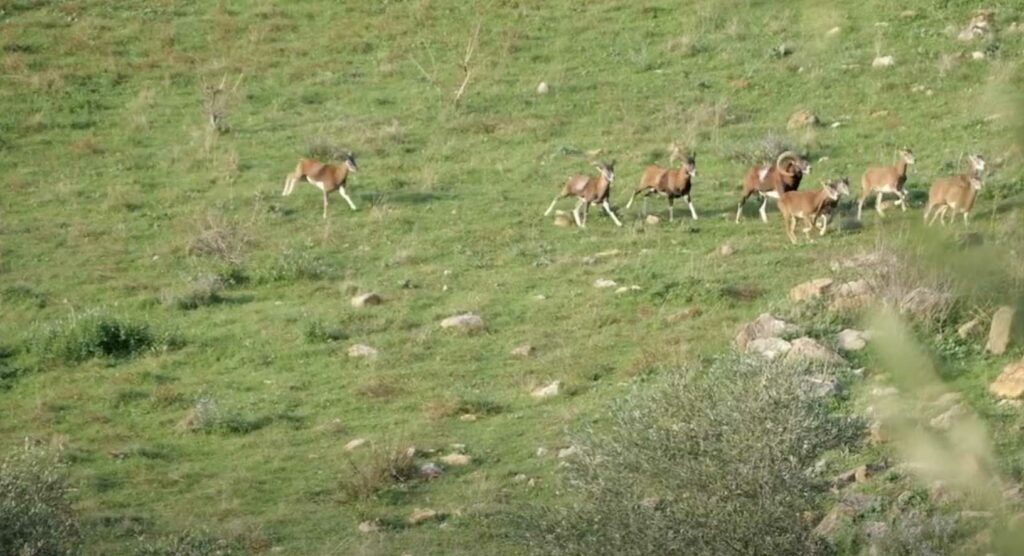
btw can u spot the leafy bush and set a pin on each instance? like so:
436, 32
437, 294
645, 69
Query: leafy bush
221, 238
318, 332
207, 416
714, 461
97, 334
35, 516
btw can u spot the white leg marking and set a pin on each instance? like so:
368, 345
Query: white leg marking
608, 209
345, 195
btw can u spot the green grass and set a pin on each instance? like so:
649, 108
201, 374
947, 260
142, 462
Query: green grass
113, 175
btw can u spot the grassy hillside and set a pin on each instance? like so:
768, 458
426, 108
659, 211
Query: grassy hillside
122, 200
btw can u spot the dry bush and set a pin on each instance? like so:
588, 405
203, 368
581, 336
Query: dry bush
221, 238
764, 149
217, 101
380, 468
380, 389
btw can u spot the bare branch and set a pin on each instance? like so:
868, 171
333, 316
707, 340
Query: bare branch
470, 48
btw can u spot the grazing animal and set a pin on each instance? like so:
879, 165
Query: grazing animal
773, 180
956, 192
588, 190
842, 185
669, 183
886, 179
327, 177
807, 206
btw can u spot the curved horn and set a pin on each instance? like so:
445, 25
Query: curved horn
778, 162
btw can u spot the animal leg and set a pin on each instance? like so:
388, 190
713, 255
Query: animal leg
739, 207
824, 225
608, 209
552, 206
289, 184
325, 203
790, 224
903, 201
632, 197
938, 212
689, 201
927, 211
586, 211
878, 204
576, 214
345, 196
966, 214
860, 206
671, 209
764, 213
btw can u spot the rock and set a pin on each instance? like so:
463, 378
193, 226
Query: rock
855, 475
949, 417
979, 26
367, 300
864, 261
851, 296
1010, 383
524, 351
602, 283
563, 221
1011, 404
764, 326
849, 507
999, 331
908, 14
368, 527
651, 503
977, 55
726, 249
652, 220
468, 417
946, 400
625, 289
362, 350
457, 460
686, 314
808, 349
355, 444
542, 88
833, 32
431, 470
769, 348
823, 386
520, 478
969, 328
852, 340
883, 62
468, 322
420, 515
884, 391
568, 452
923, 302
547, 391
802, 118
542, 452
876, 433
810, 290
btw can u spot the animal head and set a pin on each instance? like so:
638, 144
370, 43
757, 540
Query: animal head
691, 165
831, 190
976, 184
607, 170
907, 155
792, 164
841, 185
977, 162
350, 162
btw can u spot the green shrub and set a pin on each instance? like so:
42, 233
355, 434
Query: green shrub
318, 332
97, 334
713, 461
35, 516
295, 265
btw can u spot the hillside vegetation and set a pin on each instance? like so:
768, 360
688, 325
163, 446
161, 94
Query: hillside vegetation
179, 332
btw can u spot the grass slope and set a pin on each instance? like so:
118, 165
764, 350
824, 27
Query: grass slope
112, 171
